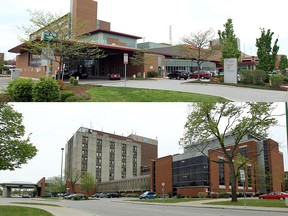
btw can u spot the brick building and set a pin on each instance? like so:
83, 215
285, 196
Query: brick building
110, 158
192, 172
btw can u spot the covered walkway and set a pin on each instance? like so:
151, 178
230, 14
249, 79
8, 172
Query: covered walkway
7, 187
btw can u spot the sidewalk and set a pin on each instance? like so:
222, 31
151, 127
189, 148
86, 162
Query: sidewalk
201, 204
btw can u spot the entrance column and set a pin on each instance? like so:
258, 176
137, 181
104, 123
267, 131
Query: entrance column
6, 191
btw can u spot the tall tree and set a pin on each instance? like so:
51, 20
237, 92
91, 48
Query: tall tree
59, 41
14, 149
197, 47
72, 176
228, 41
217, 120
267, 55
88, 182
283, 65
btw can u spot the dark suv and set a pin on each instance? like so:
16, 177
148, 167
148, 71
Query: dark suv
178, 74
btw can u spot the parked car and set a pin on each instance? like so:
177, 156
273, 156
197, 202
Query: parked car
213, 73
274, 195
178, 74
96, 195
113, 195
82, 75
80, 195
147, 195
202, 74
103, 195
114, 76
69, 196
59, 74
26, 196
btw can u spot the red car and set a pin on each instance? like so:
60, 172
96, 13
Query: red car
202, 74
114, 76
274, 195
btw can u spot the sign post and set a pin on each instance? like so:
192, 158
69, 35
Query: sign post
163, 185
242, 178
125, 63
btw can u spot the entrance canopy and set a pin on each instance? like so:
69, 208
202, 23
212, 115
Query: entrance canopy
8, 186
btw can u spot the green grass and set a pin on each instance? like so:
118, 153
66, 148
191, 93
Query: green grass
170, 200
22, 211
32, 203
252, 202
118, 94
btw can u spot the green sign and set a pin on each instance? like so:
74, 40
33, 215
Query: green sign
48, 36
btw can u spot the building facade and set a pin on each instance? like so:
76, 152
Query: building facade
192, 172
109, 157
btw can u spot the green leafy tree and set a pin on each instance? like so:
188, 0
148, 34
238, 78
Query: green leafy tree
283, 65
88, 182
14, 150
228, 41
62, 42
197, 47
217, 120
267, 54
54, 184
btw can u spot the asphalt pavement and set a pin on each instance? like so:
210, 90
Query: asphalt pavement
64, 210
233, 93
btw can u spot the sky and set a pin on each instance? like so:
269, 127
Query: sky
151, 19
52, 124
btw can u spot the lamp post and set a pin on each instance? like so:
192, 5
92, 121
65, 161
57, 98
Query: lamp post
62, 149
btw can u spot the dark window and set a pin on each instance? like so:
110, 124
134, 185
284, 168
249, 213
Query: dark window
221, 172
191, 172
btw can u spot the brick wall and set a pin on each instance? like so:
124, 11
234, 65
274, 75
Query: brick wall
191, 191
163, 174
276, 165
84, 16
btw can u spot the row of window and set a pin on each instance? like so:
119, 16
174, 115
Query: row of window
111, 159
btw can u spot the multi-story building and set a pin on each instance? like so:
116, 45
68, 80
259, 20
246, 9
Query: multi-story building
109, 157
205, 170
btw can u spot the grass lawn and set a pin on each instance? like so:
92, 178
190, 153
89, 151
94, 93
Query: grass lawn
22, 211
170, 200
252, 202
118, 94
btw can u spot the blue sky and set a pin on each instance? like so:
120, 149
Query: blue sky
151, 19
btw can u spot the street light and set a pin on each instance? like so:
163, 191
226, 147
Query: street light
62, 149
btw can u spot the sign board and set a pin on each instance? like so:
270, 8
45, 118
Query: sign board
230, 70
242, 175
125, 58
48, 36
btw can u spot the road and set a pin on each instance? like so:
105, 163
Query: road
119, 207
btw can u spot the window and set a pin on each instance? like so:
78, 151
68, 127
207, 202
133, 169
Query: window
112, 161
98, 159
134, 160
221, 172
191, 172
123, 161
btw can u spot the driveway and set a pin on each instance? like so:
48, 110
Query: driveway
237, 94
